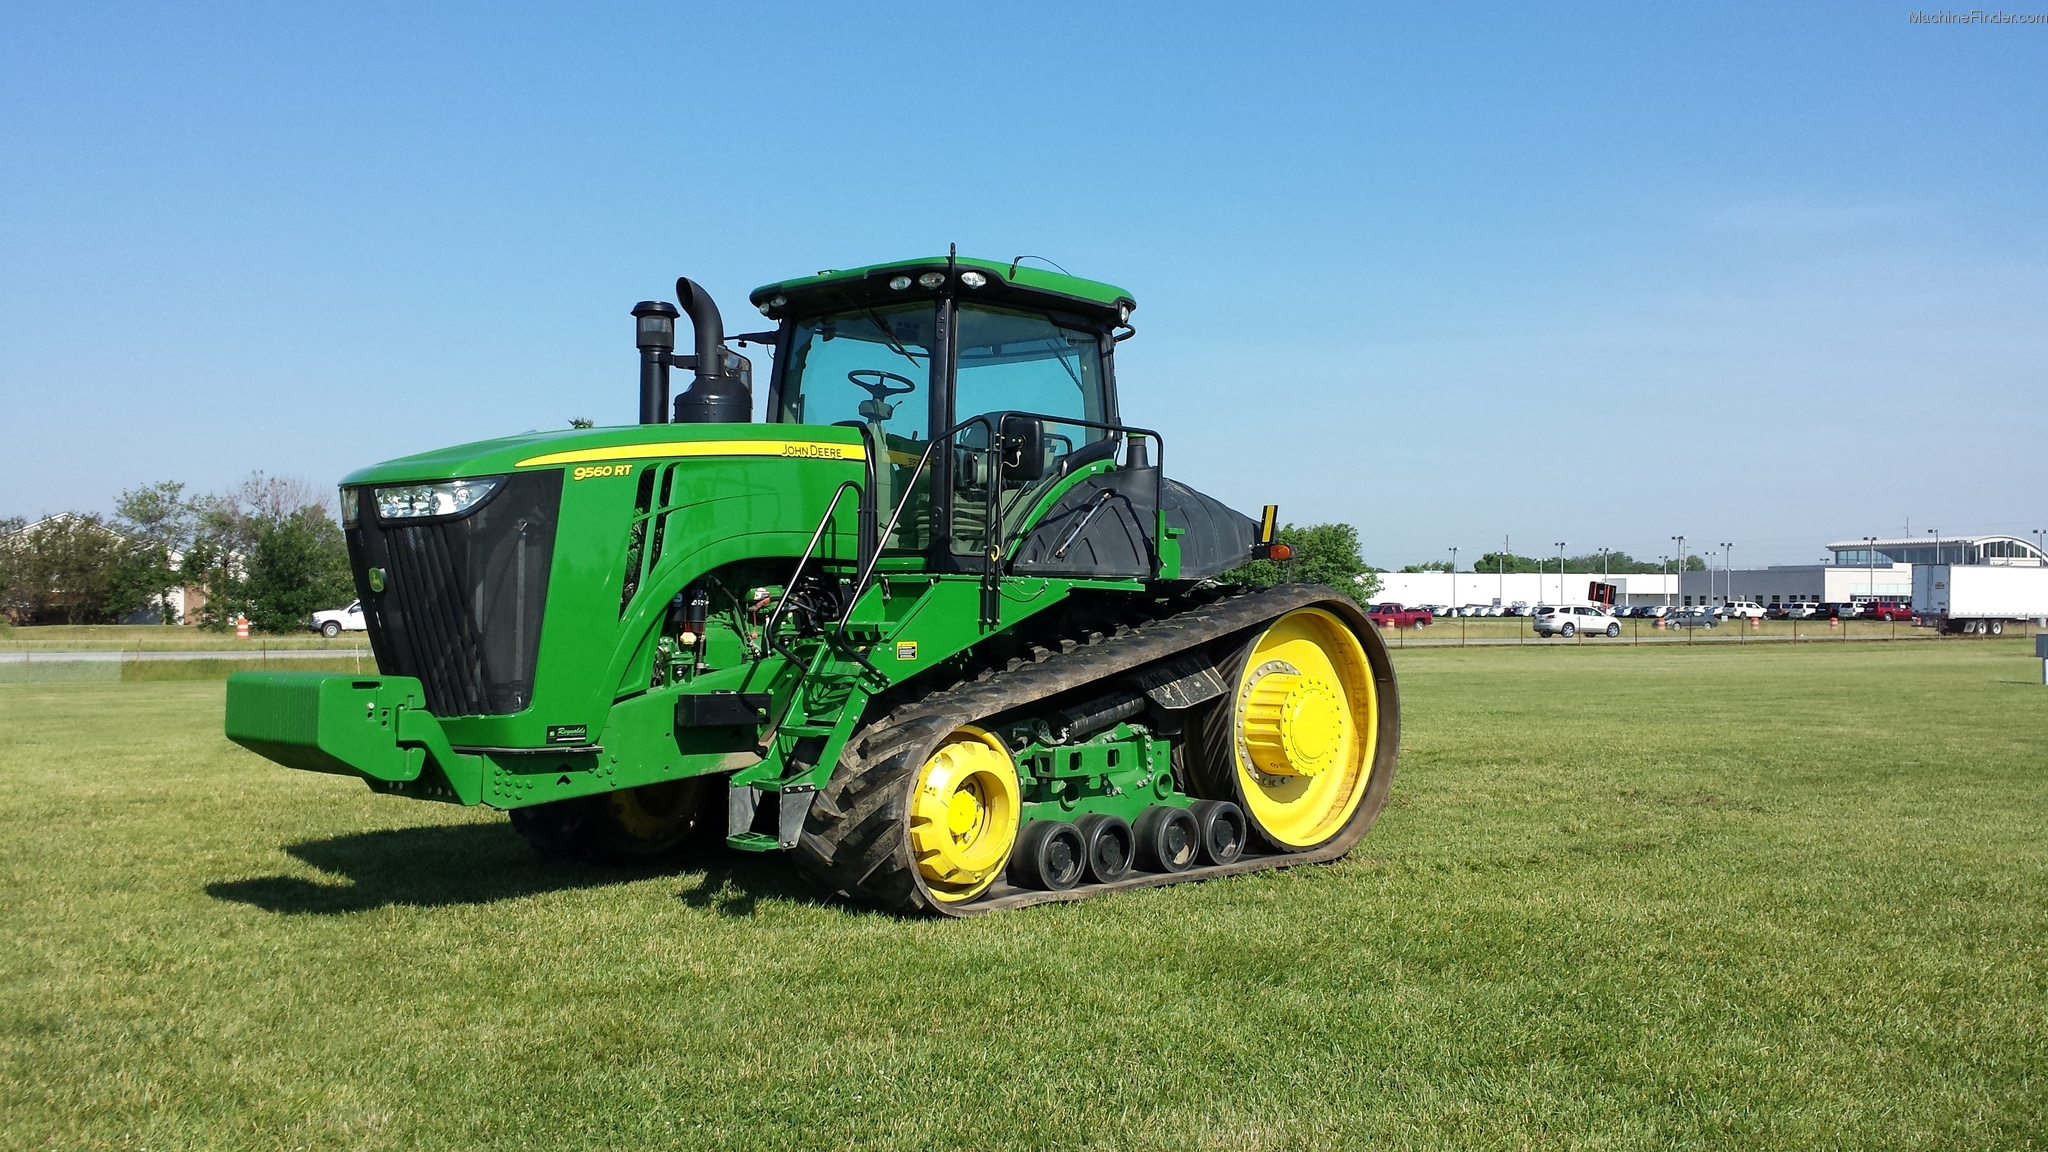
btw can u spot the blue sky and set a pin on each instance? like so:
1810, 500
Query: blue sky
1775, 275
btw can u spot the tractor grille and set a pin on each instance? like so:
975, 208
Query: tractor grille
463, 596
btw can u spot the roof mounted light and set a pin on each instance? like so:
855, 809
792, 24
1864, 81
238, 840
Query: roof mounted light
932, 279
973, 279
898, 283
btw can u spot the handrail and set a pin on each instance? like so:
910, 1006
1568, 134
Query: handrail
1010, 541
775, 617
993, 421
770, 641
867, 571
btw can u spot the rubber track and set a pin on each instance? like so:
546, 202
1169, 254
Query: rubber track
854, 841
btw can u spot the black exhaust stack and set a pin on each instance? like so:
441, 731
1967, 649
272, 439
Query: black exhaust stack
720, 393
655, 333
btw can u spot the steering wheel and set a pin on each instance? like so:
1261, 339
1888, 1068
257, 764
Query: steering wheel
878, 387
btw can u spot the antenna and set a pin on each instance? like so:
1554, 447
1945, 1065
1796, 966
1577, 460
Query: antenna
1021, 259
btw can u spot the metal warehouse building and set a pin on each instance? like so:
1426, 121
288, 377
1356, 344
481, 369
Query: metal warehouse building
1862, 570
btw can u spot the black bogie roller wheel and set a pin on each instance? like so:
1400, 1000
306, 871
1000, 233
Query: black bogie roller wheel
1168, 839
1221, 830
1050, 855
1112, 846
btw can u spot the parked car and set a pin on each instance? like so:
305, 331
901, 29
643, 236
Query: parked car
1570, 620
332, 622
1888, 610
1800, 611
1837, 611
1656, 611
1692, 618
1392, 615
1746, 609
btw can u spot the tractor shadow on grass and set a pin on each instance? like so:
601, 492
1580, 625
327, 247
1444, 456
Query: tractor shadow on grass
459, 864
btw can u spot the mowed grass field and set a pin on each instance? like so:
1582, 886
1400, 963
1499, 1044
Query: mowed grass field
1756, 896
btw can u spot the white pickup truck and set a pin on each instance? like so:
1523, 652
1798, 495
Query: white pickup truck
1979, 598
333, 622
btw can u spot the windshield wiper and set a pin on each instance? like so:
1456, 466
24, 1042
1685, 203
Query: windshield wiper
890, 337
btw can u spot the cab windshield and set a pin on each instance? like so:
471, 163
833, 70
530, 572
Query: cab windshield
868, 366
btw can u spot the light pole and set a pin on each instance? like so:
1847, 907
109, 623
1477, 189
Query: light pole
1500, 563
1454, 580
1936, 533
1681, 560
1603, 569
1727, 571
1664, 571
1870, 557
2039, 533
1560, 571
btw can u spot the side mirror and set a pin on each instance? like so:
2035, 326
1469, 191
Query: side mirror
1023, 448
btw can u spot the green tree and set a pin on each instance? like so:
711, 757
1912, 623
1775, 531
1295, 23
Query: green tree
1324, 554
10, 565
160, 524
300, 564
64, 568
232, 526
1617, 563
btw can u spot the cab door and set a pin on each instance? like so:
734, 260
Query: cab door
1068, 509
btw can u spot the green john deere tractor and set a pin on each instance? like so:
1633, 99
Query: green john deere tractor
940, 630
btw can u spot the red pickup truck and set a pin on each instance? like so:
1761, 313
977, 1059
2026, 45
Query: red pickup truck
1391, 615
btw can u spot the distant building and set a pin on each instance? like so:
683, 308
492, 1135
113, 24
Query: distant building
1460, 588
1954, 550
1860, 572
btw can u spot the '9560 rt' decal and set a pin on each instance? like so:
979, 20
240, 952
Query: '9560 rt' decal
595, 471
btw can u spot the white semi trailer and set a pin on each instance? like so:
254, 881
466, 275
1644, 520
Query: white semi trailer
1979, 597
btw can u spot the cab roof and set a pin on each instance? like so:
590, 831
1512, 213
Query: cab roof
1008, 282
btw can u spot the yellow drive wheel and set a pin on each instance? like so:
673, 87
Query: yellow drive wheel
963, 815
1299, 733
648, 823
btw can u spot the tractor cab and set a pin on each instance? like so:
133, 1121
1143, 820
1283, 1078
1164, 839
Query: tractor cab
1011, 371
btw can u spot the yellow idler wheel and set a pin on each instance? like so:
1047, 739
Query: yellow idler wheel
1303, 725
963, 815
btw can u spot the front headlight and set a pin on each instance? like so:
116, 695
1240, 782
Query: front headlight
448, 498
